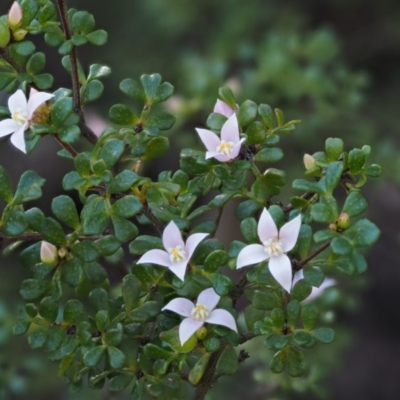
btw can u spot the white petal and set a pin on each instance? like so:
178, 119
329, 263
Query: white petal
222, 317
155, 256
187, 328
289, 233
236, 149
179, 269
180, 306
8, 126
218, 156
36, 100
251, 254
222, 108
208, 298
17, 101
18, 139
316, 292
266, 227
172, 237
297, 276
281, 269
193, 241
209, 139
230, 130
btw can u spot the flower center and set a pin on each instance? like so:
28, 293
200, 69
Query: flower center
225, 148
177, 254
20, 117
199, 313
273, 247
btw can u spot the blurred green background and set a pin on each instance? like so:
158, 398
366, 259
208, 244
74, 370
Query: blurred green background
333, 64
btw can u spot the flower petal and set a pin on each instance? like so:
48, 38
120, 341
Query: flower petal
316, 292
297, 276
281, 269
218, 156
209, 139
17, 101
179, 269
251, 254
193, 241
172, 237
222, 108
236, 149
180, 306
289, 233
208, 298
36, 100
155, 256
266, 227
222, 317
187, 328
18, 139
230, 130
8, 126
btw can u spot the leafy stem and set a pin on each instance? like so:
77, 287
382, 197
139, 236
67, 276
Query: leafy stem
304, 261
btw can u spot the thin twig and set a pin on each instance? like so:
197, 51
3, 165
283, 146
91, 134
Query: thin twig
306, 196
304, 261
6, 55
66, 146
238, 289
217, 221
146, 210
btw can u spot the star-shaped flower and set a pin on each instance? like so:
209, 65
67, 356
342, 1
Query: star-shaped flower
177, 254
222, 108
21, 113
225, 148
200, 313
316, 291
273, 248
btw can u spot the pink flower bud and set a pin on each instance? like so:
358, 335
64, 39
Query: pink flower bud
344, 221
48, 253
309, 161
15, 16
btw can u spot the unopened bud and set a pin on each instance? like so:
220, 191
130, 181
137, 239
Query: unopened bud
48, 253
14, 18
201, 333
4, 34
343, 221
19, 34
309, 161
333, 226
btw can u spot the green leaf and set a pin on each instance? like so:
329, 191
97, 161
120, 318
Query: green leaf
222, 284
256, 133
107, 245
247, 209
226, 95
341, 246
127, 207
313, 275
373, 171
295, 362
164, 91
64, 209
38, 338
98, 298
130, 291
197, 371
122, 115
52, 232
267, 115
85, 251
133, 89
145, 312
43, 81
215, 121
356, 160
124, 230
74, 312
156, 147
161, 120
301, 290
307, 186
278, 362
112, 151
94, 217
334, 148
93, 356
332, 176
98, 38
29, 187
145, 243
66, 62
325, 211
120, 382
269, 155
355, 204
122, 182
293, 313
150, 85
72, 272
48, 308
33, 289
70, 134
265, 300
324, 335
61, 111
34, 217
14, 221
228, 363
304, 240
215, 260
94, 272
91, 91
309, 315
363, 233
98, 71
247, 113
36, 63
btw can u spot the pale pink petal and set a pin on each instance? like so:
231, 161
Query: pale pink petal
179, 269
187, 328
316, 292
281, 269
8, 126
209, 139
180, 306
155, 256
193, 241
222, 108
18, 139
236, 149
218, 156
17, 101
172, 237
208, 298
289, 233
230, 130
266, 227
297, 276
251, 254
222, 317
36, 100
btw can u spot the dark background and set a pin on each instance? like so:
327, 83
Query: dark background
333, 64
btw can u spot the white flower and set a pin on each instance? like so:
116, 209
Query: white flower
273, 248
222, 108
228, 146
316, 291
177, 254
199, 313
48, 253
21, 114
